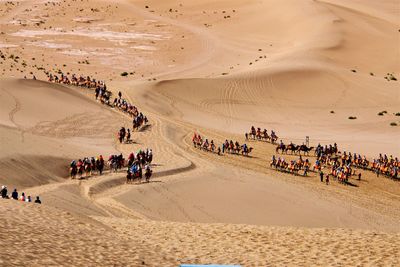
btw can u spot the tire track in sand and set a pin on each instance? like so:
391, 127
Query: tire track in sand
13, 112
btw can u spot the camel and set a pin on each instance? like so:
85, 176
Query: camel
281, 147
305, 149
292, 147
247, 151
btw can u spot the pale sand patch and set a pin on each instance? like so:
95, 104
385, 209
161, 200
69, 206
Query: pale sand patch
49, 44
2, 45
103, 35
144, 47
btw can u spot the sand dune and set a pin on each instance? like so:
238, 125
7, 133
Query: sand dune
212, 67
43, 126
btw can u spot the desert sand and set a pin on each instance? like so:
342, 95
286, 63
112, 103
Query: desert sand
214, 67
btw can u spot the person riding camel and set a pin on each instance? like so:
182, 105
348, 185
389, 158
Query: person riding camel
244, 146
258, 132
195, 139
79, 164
121, 134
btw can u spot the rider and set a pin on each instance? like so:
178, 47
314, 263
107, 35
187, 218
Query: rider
73, 164
79, 164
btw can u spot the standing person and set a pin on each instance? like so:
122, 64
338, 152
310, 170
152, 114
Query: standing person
97, 91
4, 192
37, 201
14, 194
305, 170
147, 172
327, 179
359, 176
100, 165
321, 176
128, 136
121, 134
119, 94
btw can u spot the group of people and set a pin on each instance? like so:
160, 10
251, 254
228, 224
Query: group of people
293, 148
261, 135
14, 195
116, 162
88, 166
124, 135
77, 81
236, 148
123, 105
327, 150
343, 164
292, 166
226, 147
102, 94
385, 165
205, 144
136, 163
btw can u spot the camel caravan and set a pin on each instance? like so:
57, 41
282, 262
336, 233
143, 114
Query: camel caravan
103, 95
293, 149
292, 167
342, 166
261, 135
124, 106
227, 147
136, 162
86, 167
387, 166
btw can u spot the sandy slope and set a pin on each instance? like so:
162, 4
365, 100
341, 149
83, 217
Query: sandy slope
43, 126
297, 76
53, 237
215, 67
